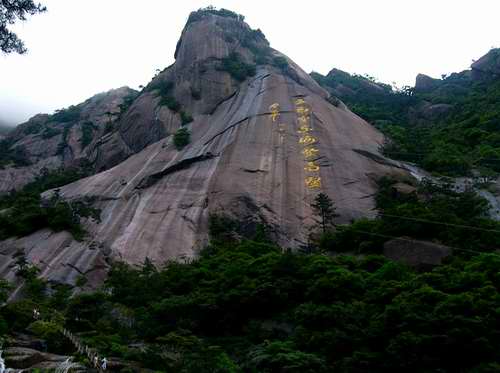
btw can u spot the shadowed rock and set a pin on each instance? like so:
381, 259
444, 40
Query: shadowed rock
419, 254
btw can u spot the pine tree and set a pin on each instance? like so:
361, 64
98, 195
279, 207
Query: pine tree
325, 209
10, 12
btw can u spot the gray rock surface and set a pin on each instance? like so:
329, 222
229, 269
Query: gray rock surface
424, 83
29, 359
418, 254
488, 66
156, 203
47, 143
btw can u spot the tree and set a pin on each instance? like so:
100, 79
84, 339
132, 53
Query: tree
325, 208
21, 263
10, 12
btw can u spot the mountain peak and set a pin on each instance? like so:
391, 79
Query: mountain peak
211, 33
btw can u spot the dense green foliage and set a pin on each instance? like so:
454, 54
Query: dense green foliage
249, 306
374, 101
236, 67
23, 212
461, 138
433, 212
181, 138
70, 114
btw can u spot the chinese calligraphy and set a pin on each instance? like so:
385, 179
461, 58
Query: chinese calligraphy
275, 111
307, 139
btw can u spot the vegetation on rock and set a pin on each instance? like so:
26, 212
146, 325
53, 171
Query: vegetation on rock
181, 138
461, 138
236, 67
23, 212
248, 305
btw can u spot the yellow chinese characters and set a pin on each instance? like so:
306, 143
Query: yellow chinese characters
300, 101
304, 121
313, 182
302, 111
310, 152
307, 140
275, 111
304, 129
304, 116
311, 167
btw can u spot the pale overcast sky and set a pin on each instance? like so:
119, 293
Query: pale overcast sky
82, 47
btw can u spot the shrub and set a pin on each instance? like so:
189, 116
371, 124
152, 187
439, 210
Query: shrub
186, 118
238, 69
181, 138
71, 114
280, 62
164, 91
25, 213
195, 94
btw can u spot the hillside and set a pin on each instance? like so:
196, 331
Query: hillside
447, 126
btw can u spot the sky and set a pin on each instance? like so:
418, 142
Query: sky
82, 47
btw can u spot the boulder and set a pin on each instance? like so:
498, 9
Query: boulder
425, 83
418, 254
487, 67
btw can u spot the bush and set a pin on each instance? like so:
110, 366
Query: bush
181, 138
71, 114
185, 118
50, 332
238, 69
25, 213
280, 62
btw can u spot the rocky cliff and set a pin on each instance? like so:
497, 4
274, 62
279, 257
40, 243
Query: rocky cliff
265, 139
81, 135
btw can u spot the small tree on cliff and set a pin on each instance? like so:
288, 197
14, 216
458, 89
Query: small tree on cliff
324, 207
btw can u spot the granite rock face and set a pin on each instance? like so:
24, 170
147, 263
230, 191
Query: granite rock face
488, 66
82, 134
419, 254
246, 158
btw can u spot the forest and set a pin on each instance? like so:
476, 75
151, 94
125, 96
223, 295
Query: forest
247, 305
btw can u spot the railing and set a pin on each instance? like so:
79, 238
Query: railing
91, 353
